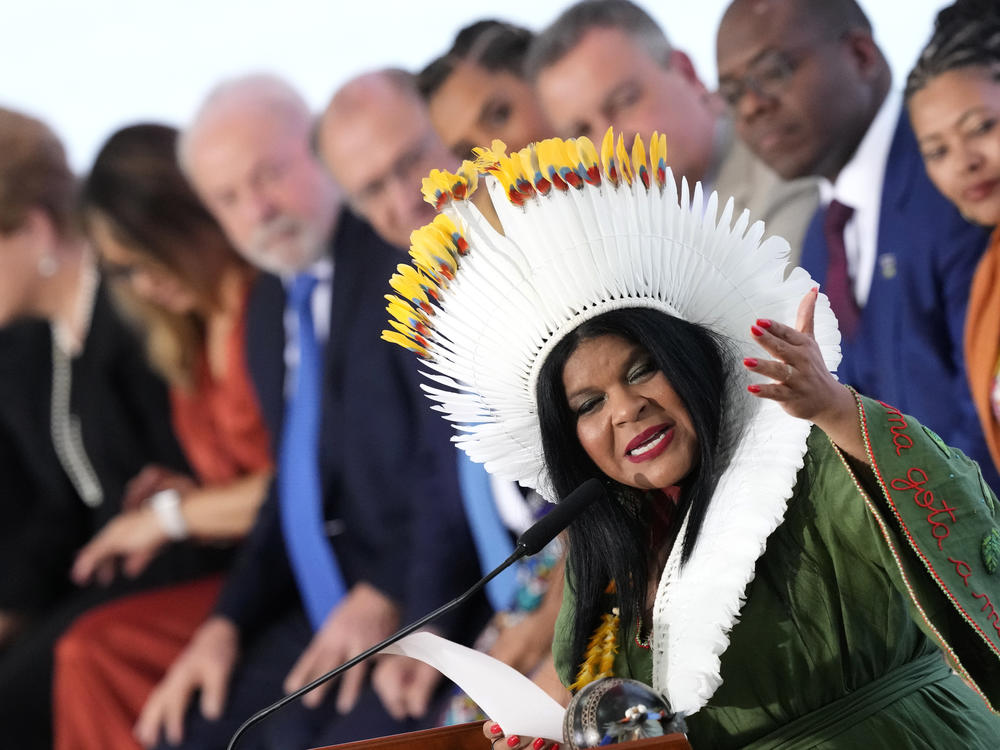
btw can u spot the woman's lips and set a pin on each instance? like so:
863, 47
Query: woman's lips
981, 190
649, 443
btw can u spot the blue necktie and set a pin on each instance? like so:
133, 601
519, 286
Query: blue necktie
321, 584
493, 544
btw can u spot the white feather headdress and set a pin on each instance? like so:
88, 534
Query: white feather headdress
583, 234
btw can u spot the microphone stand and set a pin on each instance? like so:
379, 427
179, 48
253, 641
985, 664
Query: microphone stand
530, 542
518, 553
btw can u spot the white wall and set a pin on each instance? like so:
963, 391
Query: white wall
90, 66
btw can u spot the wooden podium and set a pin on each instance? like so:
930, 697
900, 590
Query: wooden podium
470, 737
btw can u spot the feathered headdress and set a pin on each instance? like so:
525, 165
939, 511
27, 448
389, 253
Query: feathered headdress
583, 233
586, 232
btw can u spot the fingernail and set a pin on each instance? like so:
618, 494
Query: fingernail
764, 322
815, 289
753, 388
756, 331
750, 362
555, 746
495, 729
539, 743
513, 741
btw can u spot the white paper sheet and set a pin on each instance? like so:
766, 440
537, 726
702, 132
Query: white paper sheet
513, 701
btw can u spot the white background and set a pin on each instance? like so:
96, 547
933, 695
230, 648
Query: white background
88, 67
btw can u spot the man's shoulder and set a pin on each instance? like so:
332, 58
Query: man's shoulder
913, 207
785, 206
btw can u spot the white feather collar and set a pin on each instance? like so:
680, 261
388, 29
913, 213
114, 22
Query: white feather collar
698, 604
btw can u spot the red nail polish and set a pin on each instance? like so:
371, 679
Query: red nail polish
750, 362
539, 743
764, 323
555, 746
756, 331
513, 741
753, 388
495, 729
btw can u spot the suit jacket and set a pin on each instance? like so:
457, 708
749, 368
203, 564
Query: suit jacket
387, 466
908, 348
785, 207
123, 414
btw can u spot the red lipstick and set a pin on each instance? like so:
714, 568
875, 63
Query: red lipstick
980, 190
651, 443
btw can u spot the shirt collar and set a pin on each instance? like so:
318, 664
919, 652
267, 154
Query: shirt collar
321, 269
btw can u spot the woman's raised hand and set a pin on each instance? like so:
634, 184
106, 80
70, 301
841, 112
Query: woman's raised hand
495, 735
802, 384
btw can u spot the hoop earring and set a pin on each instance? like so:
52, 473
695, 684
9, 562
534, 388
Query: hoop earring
47, 266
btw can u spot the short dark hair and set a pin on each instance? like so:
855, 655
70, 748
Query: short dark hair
832, 17
966, 34
563, 34
495, 45
610, 541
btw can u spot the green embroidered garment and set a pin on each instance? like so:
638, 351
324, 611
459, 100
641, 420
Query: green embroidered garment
873, 573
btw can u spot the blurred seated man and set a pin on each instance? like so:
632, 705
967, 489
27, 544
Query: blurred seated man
813, 95
607, 63
377, 139
342, 551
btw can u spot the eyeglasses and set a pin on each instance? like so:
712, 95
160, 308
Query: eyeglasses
408, 168
767, 77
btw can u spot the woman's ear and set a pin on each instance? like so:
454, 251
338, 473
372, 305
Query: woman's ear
38, 233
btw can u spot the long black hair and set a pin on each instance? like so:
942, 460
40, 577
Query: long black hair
966, 34
611, 540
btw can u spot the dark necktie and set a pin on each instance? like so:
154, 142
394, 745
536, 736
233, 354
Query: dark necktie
317, 572
838, 282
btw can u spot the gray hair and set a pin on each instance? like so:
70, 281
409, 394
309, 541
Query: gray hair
966, 34
563, 34
268, 94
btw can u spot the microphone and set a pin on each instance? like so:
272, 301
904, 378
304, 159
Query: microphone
530, 542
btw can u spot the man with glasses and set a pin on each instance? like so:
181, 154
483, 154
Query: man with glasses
606, 63
811, 94
378, 142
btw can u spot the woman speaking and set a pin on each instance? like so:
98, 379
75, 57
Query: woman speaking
782, 558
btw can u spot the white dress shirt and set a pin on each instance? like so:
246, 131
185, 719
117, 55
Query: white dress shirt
859, 185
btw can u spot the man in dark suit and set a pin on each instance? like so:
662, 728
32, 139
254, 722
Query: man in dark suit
811, 94
378, 141
314, 584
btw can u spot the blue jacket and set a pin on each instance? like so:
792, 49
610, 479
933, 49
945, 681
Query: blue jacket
387, 466
908, 347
